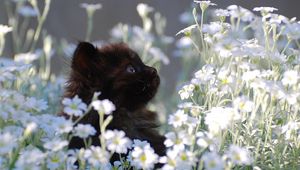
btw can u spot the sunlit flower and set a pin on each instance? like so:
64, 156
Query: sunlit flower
4, 29
55, 159
243, 104
222, 12
96, 156
238, 155
143, 9
240, 12
7, 143
220, 118
30, 128
84, 131
177, 140
143, 157
212, 161
91, 7
290, 77
204, 4
116, 141
105, 106
186, 91
26, 57
56, 144
74, 106
265, 10
178, 118
34, 104
179, 160
212, 28
187, 30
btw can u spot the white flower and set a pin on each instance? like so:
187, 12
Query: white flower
293, 30
7, 143
204, 4
96, 156
38, 105
220, 118
74, 106
62, 125
186, 91
290, 77
250, 75
238, 155
143, 157
143, 9
91, 7
290, 130
178, 118
4, 29
55, 160
30, 156
222, 12
243, 104
105, 106
30, 128
27, 11
116, 141
84, 130
212, 28
56, 144
265, 10
187, 30
212, 161
179, 160
26, 57
177, 140
240, 12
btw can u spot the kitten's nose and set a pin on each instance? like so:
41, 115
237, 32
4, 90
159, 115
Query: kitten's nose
151, 70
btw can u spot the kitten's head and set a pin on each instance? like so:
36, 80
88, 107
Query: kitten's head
116, 71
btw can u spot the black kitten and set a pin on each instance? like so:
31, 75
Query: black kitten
119, 74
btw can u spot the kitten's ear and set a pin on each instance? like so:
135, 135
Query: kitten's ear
84, 56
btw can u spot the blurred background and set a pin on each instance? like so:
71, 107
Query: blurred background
67, 22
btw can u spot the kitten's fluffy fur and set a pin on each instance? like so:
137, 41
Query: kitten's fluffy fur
118, 73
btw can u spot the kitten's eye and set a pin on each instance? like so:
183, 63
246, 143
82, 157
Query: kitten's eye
130, 69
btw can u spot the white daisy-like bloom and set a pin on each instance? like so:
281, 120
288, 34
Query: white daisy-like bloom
84, 130
91, 7
30, 156
219, 118
143, 157
26, 57
177, 140
74, 106
213, 161
55, 159
186, 91
4, 29
238, 155
265, 9
143, 9
55, 144
34, 104
240, 12
7, 143
290, 129
222, 12
212, 28
104, 106
96, 156
116, 141
205, 4
187, 30
62, 125
178, 118
179, 160
27, 11
290, 77
243, 104
249, 76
